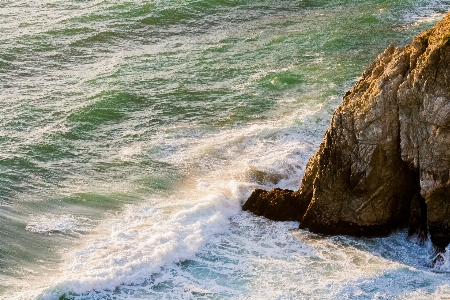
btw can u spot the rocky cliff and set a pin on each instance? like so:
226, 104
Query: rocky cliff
384, 162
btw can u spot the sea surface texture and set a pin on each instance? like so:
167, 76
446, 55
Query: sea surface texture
131, 132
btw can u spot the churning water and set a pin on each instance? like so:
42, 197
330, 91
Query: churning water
131, 132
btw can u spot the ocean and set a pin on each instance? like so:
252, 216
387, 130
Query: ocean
131, 133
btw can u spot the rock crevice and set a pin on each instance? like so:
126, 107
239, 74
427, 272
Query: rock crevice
384, 161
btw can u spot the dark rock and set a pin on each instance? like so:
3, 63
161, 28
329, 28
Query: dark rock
277, 204
418, 227
438, 216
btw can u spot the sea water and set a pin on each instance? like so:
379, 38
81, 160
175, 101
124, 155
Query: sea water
131, 133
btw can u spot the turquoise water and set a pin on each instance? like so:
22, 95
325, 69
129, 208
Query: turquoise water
132, 131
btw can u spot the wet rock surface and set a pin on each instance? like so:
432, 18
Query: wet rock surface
385, 159
276, 204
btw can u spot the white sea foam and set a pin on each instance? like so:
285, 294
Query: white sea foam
260, 259
428, 19
145, 239
127, 153
277, 148
427, 14
53, 223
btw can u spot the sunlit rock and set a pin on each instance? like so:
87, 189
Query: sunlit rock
385, 159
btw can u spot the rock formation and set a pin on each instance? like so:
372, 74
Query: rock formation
384, 162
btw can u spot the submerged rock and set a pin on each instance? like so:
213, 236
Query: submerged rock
384, 162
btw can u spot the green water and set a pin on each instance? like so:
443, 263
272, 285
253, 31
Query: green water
107, 105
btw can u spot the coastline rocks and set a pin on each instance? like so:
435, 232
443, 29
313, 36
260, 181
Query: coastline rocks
384, 162
276, 204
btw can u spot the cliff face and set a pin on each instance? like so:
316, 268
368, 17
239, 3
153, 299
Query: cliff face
384, 162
